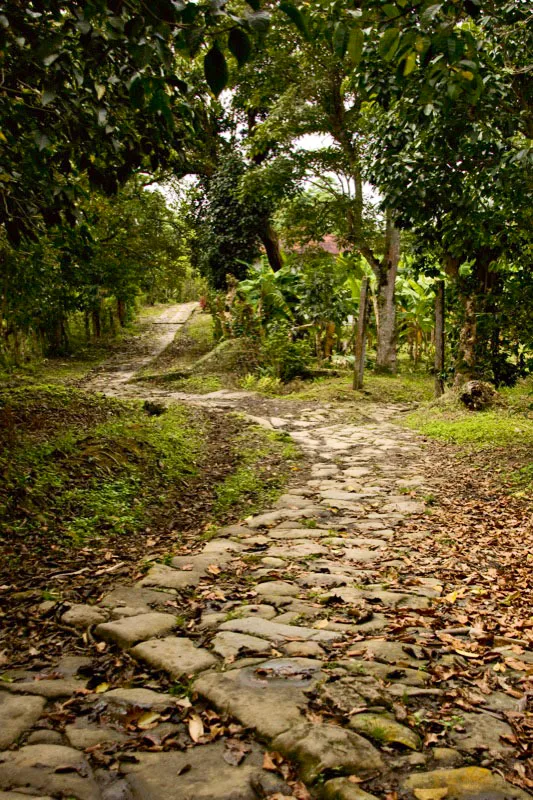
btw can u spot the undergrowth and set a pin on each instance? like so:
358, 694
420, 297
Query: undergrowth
81, 467
255, 484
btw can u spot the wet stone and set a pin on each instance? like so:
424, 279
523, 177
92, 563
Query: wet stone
176, 655
129, 630
17, 714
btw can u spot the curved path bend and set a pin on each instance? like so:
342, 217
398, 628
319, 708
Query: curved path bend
308, 668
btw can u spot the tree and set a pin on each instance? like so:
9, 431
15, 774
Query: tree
95, 90
454, 168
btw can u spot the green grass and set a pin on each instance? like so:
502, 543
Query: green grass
254, 485
482, 429
403, 388
80, 467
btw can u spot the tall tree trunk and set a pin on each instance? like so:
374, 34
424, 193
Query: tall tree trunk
270, 239
360, 337
121, 312
466, 360
439, 338
97, 323
386, 297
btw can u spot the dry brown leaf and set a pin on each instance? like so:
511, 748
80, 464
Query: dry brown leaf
196, 728
268, 763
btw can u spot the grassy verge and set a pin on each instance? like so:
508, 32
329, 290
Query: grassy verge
264, 461
402, 388
501, 438
89, 481
79, 468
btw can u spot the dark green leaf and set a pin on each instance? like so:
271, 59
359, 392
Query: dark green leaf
340, 37
137, 93
239, 45
295, 15
388, 44
355, 45
215, 69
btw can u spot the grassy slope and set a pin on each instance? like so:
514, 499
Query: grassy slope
500, 438
86, 474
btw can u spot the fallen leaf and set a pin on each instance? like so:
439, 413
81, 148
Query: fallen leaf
431, 794
102, 687
147, 720
196, 728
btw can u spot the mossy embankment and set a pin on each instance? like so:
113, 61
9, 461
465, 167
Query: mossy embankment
91, 486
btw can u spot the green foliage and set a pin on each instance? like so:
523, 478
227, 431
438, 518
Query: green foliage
226, 227
126, 247
253, 485
282, 356
92, 468
99, 90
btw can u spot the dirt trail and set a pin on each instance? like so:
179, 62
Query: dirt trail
112, 376
317, 651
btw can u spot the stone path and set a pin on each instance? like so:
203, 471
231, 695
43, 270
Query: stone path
300, 625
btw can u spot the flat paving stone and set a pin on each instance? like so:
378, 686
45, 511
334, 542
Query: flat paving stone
229, 645
17, 714
269, 697
326, 748
277, 632
174, 654
48, 769
82, 616
143, 698
170, 578
127, 631
131, 601
201, 773
271, 588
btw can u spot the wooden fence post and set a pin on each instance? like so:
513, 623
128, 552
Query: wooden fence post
360, 337
439, 338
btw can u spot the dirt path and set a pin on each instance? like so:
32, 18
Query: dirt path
112, 376
315, 650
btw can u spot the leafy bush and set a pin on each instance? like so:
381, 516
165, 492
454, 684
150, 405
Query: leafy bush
281, 356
